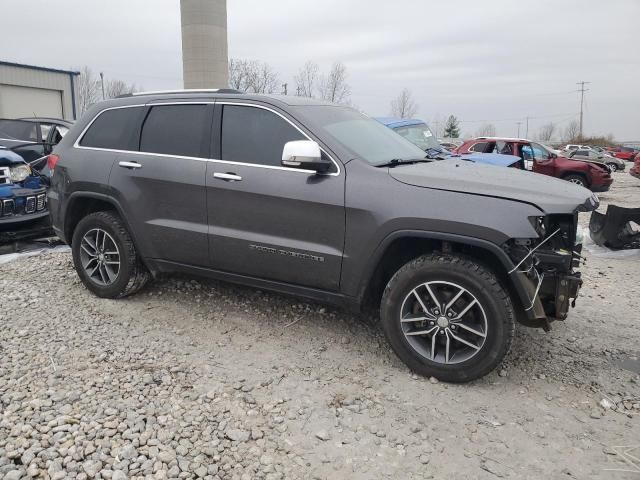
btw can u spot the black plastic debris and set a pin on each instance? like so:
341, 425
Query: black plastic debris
618, 229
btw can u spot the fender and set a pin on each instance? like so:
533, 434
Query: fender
79, 195
516, 281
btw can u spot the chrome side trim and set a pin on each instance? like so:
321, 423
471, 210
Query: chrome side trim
200, 159
16, 140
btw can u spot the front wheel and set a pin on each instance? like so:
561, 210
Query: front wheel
577, 179
448, 317
613, 167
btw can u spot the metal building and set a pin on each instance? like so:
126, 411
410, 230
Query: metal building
28, 91
205, 59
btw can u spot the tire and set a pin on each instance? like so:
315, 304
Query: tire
577, 179
613, 167
129, 276
492, 314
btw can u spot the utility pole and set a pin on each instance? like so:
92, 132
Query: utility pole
102, 83
284, 88
527, 134
582, 90
518, 123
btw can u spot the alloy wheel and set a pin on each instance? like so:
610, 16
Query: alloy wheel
443, 322
100, 257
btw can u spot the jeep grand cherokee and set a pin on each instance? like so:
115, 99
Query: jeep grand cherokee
320, 201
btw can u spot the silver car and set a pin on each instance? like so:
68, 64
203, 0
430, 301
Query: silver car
614, 164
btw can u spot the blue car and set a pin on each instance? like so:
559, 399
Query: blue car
23, 199
418, 133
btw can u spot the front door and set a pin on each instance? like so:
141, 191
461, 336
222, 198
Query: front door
542, 160
265, 220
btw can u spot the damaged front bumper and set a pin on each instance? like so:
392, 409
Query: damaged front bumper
546, 270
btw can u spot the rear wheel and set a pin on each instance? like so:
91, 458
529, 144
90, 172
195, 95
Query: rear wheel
105, 257
577, 179
447, 316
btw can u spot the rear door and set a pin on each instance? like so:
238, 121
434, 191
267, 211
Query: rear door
162, 183
265, 220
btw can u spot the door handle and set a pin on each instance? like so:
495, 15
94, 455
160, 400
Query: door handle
228, 177
131, 165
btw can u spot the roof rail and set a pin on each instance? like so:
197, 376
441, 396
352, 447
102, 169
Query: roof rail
188, 90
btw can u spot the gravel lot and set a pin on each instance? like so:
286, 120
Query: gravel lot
199, 379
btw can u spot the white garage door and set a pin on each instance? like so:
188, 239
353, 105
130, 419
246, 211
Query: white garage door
18, 102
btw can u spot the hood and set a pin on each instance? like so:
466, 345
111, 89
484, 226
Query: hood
9, 158
496, 159
551, 195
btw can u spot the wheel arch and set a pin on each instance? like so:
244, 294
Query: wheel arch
578, 173
80, 204
401, 247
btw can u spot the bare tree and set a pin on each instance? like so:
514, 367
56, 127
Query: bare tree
239, 74
546, 132
572, 132
116, 88
306, 79
88, 89
262, 78
252, 76
403, 106
334, 87
487, 130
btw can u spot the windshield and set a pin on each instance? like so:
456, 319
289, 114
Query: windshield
364, 137
16, 129
420, 135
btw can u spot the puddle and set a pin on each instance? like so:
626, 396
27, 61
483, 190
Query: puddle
629, 363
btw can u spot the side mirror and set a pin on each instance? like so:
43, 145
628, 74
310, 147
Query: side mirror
305, 155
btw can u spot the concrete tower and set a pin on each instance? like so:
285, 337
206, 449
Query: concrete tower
205, 62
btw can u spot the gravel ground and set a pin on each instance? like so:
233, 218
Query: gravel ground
199, 379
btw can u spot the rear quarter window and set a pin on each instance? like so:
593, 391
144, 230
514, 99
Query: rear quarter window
115, 129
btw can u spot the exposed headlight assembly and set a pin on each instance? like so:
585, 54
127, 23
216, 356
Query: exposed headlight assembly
20, 173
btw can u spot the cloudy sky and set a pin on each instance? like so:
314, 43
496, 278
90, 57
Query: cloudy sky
497, 61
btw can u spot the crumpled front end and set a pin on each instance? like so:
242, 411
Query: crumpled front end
23, 207
547, 267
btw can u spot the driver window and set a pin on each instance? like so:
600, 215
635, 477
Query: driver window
540, 153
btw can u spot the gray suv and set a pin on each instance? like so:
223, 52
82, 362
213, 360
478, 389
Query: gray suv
319, 201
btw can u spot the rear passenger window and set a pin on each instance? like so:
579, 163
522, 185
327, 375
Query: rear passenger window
255, 135
115, 129
176, 130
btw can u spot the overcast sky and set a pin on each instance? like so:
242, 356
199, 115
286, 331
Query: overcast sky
496, 61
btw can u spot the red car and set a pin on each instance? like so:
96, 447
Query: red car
635, 170
626, 153
541, 159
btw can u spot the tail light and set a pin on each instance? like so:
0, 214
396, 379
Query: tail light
52, 161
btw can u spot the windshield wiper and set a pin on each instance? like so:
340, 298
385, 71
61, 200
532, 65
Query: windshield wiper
399, 161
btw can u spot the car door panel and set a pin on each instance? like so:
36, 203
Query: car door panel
276, 223
165, 193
